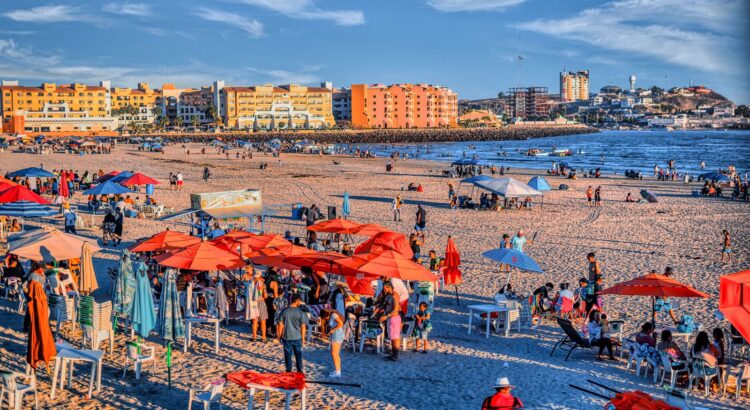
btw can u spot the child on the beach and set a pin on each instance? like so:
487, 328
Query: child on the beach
422, 326
726, 249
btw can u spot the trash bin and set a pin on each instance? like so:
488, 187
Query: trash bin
331, 212
297, 211
149, 189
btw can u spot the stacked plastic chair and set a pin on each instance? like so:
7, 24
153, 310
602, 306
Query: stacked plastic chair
96, 321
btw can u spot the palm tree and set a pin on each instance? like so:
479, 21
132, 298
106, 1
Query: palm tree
211, 113
196, 122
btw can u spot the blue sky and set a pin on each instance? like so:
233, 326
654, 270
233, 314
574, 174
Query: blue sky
468, 45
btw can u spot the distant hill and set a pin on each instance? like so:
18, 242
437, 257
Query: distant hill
686, 103
493, 104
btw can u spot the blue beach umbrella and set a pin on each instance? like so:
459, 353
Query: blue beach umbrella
345, 209
714, 176
26, 209
107, 188
171, 326
32, 172
123, 292
513, 258
540, 184
142, 313
120, 177
465, 161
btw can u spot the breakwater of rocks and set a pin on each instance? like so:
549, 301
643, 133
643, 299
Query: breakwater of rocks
392, 136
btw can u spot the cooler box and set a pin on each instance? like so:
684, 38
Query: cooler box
297, 211
149, 189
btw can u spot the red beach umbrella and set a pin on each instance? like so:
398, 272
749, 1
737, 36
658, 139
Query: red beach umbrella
274, 256
338, 225
164, 241
201, 256
321, 262
654, 285
256, 242
734, 301
387, 263
229, 242
361, 284
64, 191
370, 230
20, 193
384, 241
451, 273
4, 180
138, 179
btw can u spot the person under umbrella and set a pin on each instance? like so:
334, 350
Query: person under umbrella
171, 326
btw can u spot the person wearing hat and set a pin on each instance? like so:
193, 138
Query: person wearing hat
502, 399
70, 219
518, 241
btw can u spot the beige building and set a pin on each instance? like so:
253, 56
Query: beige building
267, 107
574, 86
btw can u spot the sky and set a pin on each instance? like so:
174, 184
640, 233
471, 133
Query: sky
471, 46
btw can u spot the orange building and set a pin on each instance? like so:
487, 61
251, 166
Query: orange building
403, 106
49, 97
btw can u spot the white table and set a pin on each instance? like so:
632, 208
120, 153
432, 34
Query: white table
67, 355
200, 320
676, 334
268, 389
489, 309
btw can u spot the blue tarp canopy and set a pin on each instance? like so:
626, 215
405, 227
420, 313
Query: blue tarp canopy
540, 184
507, 188
714, 176
465, 161
32, 172
26, 209
474, 179
107, 188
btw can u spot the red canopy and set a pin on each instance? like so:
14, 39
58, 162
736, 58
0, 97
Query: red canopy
20, 193
229, 242
370, 229
286, 381
361, 285
106, 177
387, 263
138, 179
274, 256
4, 180
338, 225
41, 345
656, 285
268, 240
163, 241
201, 256
64, 190
384, 241
734, 301
451, 273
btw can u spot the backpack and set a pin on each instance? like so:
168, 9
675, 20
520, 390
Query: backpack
686, 324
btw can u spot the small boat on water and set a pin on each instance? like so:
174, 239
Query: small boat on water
561, 153
536, 153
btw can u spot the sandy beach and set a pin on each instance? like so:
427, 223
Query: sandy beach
629, 239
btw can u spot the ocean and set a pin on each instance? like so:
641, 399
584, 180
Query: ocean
611, 151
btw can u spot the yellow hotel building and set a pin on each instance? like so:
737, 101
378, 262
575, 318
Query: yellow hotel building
266, 107
143, 96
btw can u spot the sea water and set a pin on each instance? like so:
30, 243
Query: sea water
611, 151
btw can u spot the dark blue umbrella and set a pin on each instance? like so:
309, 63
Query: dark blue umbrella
32, 172
513, 258
27, 209
121, 177
714, 176
107, 188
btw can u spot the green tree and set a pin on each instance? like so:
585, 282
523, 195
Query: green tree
196, 122
742, 110
211, 113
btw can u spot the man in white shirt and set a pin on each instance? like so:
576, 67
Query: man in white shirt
179, 181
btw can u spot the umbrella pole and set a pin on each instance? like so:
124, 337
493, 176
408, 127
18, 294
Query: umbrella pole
168, 356
507, 278
456, 288
653, 312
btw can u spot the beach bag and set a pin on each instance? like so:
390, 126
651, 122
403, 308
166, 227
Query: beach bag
686, 324
563, 187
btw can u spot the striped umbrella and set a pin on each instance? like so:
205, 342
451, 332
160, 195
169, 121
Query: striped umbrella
124, 289
26, 209
143, 313
513, 258
171, 326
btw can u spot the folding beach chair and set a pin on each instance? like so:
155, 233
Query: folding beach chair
572, 338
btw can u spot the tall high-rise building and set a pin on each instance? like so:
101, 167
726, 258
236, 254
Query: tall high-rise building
574, 86
529, 103
403, 106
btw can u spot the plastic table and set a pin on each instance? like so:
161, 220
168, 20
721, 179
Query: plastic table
200, 320
489, 309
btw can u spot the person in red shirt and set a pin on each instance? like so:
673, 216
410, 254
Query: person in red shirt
502, 399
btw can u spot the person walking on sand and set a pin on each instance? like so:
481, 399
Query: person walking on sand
726, 249
502, 399
518, 241
397, 208
589, 195
594, 267
206, 174
420, 220
179, 181
392, 319
291, 333
598, 196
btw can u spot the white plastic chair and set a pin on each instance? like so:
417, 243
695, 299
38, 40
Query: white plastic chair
16, 391
741, 374
138, 358
211, 393
702, 370
97, 336
350, 332
407, 333
666, 366
370, 332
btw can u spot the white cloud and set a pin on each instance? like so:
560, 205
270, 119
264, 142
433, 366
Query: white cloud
306, 75
472, 5
307, 10
693, 33
128, 9
254, 28
160, 32
45, 14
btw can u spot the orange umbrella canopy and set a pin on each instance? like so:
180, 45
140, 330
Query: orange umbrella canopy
138, 179
320, 261
229, 241
387, 263
4, 180
49, 245
654, 285
384, 241
452, 275
20, 193
274, 256
361, 285
268, 240
734, 301
370, 230
338, 225
201, 256
164, 241
41, 345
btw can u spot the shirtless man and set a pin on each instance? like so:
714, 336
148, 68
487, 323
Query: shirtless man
726, 249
